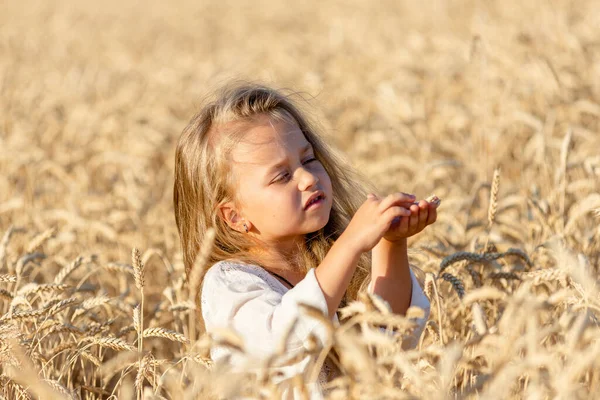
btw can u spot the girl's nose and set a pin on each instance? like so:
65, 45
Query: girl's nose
306, 179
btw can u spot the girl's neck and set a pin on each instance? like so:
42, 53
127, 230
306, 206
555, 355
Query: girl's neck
276, 259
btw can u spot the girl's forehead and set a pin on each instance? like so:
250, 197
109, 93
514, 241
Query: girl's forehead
268, 142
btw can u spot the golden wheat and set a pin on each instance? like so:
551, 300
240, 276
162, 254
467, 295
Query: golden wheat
447, 97
111, 342
165, 333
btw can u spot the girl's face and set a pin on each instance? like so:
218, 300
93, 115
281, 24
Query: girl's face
276, 174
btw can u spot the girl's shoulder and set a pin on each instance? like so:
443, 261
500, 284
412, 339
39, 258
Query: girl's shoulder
232, 267
235, 272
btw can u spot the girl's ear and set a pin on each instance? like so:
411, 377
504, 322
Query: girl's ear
229, 214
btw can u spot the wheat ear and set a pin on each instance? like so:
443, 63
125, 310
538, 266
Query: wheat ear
39, 240
493, 207
165, 333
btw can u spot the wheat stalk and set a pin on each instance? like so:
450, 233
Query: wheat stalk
428, 286
25, 315
112, 343
28, 376
137, 322
119, 267
55, 308
481, 294
138, 268
479, 319
124, 331
4, 244
95, 390
60, 328
138, 273
482, 258
493, 207
39, 240
503, 275
475, 276
562, 173
456, 283
59, 388
61, 348
143, 369
545, 275
165, 333
96, 328
7, 278
33, 288
68, 270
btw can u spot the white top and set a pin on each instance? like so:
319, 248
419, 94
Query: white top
261, 309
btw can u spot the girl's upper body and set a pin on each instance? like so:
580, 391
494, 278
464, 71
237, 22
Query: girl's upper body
260, 307
252, 168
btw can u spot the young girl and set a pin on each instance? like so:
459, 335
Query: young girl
293, 223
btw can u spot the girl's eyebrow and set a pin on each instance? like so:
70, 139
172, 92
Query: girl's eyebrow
282, 162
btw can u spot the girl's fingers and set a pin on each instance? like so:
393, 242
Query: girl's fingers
423, 214
403, 227
391, 213
432, 216
414, 216
396, 198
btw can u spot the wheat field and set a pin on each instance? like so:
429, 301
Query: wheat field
494, 106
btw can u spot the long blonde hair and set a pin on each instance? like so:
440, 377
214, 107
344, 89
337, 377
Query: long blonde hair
203, 177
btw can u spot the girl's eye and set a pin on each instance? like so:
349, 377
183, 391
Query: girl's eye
285, 177
282, 178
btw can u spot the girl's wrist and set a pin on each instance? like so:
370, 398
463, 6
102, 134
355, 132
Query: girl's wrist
386, 244
349, 244
387, 253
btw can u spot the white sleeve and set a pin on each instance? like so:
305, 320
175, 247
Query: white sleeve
239, 298
418, 299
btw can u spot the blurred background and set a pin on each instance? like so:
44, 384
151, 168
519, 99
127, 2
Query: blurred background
426, 97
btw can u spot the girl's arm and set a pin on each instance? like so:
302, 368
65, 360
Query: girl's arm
363, 233
390, 274
336, 270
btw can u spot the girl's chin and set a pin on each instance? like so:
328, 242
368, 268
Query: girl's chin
318, 225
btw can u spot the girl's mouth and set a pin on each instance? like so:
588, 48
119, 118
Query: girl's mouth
315, 203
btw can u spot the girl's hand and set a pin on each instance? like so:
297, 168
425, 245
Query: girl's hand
374, 218
422, 214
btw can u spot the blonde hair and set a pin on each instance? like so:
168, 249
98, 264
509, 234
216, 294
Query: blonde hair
203, 178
